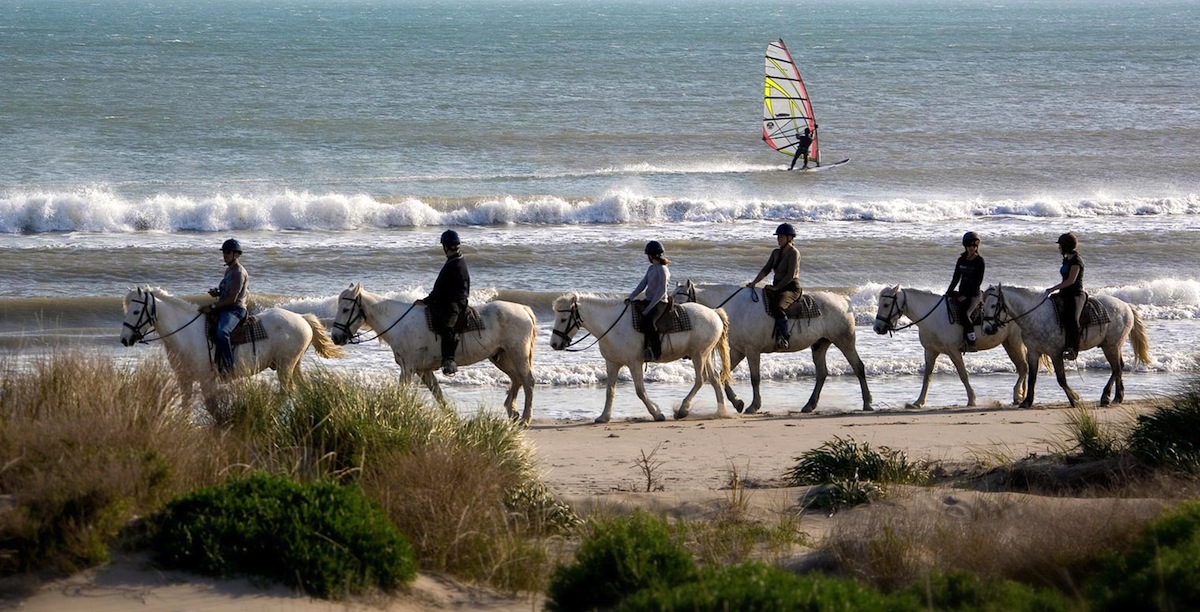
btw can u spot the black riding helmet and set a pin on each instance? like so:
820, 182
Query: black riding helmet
1068, 241
785, 229
654, 247
231, 246
450, 238
970, 238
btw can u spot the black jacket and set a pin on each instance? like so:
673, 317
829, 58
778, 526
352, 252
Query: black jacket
453, 283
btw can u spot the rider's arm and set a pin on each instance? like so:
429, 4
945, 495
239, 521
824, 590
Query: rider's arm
765, 269
1072, 275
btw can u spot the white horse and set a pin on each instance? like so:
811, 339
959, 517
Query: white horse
751, 328
181, 330
610, 320
939, 336
1043, 335
507, 340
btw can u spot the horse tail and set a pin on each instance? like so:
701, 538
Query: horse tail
723, 347
1138, 338
532, 339
321, 340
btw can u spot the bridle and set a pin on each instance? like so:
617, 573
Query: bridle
689, 291
358, 312
1002, 307
895, 310
148, 316
575, 322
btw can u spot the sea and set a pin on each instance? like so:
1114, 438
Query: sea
336, 139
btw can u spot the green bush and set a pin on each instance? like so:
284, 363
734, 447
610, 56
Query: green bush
325, 539
617, 558
1160, 571
844, 459
1169, 436
754, 586
959, 590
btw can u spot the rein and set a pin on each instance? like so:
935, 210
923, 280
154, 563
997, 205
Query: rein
150, 316
1003, 307
356, 304
575, 322
899, 311
690, 293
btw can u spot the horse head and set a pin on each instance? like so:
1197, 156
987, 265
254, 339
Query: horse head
350, 315
995, 310
891, 306
685, 291
141, 310
566, 321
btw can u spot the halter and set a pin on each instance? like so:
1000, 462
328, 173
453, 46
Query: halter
1002, 307
358, 312
149, 316
895, 310
575, 322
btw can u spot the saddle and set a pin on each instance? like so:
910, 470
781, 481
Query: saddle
469, 322
675, 319
976, 314
1093, 312
249, 329
805, 307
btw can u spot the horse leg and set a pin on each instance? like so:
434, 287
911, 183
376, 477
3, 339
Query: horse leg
610, 391
1060, 374
819, 351
1014, 353
713, 373
735, 357
639, 385
501, 361
1032, 361
957, 359
850, 351
431, 383
754, 362
930, 361
1113, 354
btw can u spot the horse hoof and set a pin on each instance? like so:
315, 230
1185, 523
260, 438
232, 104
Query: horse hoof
912, 406
1025, 404
1104, 402
807, 409
678, 415
601, 420
868, 408
739, 405
752, 409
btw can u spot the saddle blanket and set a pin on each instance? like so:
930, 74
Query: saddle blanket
471, 322
976, 315
804, 308
1093, 312
249, 330
675, 319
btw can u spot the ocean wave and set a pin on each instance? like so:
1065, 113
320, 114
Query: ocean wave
100, 210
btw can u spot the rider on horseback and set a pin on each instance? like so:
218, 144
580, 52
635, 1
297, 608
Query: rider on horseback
785, 287
968, 270
448, 299
1071, 291
230, 306
655, 283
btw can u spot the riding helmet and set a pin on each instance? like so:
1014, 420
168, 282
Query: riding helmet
785, 229
231, 246
450, 238
654, 247
1068, 241
970, 238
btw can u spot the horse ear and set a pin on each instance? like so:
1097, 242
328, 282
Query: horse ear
896, 289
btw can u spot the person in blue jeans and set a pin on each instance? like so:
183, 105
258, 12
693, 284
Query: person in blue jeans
230, 306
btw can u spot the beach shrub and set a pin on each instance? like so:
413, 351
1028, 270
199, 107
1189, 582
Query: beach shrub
1159, 571
323, 538
1169, 435
1094, 439
756, 586
86, 446
845, 459
617, 558
960, 590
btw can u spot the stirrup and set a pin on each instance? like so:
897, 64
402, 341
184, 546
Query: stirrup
449, 368
781, 342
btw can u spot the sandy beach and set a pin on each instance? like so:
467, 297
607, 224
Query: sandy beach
596, 468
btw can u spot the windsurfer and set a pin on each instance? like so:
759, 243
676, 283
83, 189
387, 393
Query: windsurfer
803, 145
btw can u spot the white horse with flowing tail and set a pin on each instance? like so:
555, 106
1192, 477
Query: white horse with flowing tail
1043, 335
506, 339
176, 323
928, 312
751, 328
610, 320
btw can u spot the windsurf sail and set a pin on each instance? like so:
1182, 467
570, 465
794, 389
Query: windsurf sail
786, 107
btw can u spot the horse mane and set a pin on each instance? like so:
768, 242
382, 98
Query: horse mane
158, 292
563, 301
